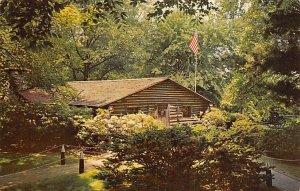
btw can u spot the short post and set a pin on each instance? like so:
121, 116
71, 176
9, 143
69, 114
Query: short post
81, 163
62, 155
268, 178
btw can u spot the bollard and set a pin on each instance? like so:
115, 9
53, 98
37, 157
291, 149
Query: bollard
81, 163
268, 178
62, 155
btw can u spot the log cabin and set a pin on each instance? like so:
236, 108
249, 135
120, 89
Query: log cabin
162, 98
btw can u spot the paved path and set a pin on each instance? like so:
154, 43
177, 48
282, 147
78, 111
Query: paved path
46, 172
285, 183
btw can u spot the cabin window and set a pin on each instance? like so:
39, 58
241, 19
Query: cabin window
187, 111
161, 110
132, 110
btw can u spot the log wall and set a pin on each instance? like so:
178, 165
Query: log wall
161, 94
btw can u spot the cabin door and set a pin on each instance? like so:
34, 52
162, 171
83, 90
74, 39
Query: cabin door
162, 114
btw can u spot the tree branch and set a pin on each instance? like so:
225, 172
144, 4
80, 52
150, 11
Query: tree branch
102, 61
109, 70
10, 54
76, 48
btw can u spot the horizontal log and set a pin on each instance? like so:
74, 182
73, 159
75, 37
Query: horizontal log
175, 116
177, 113
166, 93
162, 102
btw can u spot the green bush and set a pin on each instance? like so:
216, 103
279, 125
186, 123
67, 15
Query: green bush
182, 158
214, 118
229, 161
253, 133
155, 159
26, 125
99, 130
237, 124
282, 142
147, 156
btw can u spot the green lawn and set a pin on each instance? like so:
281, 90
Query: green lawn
290, 168
72, 182
8, 164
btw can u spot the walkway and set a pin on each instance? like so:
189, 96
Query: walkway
284, 182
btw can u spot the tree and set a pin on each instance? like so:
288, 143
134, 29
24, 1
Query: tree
253, 87
33, 20
14, 64
94, 48
170, 54
284, 55
30, 20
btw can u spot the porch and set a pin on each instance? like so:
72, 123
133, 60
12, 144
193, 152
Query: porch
173, 115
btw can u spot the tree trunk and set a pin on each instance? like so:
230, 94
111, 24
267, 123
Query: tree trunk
85, 75
86, 72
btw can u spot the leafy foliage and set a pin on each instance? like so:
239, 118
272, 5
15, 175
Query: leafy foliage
282, 142
249, 61
101, 128
30, 20
283, 58
146, 156
14, 64
26, 125
96, 47
180, 159
193, 7
228, 157
215, 118
266, 78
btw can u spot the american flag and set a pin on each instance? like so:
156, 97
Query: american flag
194, 43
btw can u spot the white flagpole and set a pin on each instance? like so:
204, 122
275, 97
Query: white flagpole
196, 72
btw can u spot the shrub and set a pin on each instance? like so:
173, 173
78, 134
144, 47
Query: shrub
160, 159
147, 156
182, 158
101, 128
229, 162
282, 142
251, 132
236, 123
28, 125
214, 118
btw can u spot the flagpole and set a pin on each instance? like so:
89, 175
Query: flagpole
196, 59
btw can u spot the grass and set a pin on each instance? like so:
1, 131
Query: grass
72, 182
289, 168
9, 165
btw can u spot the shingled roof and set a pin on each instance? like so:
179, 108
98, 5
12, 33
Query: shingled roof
103, 92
